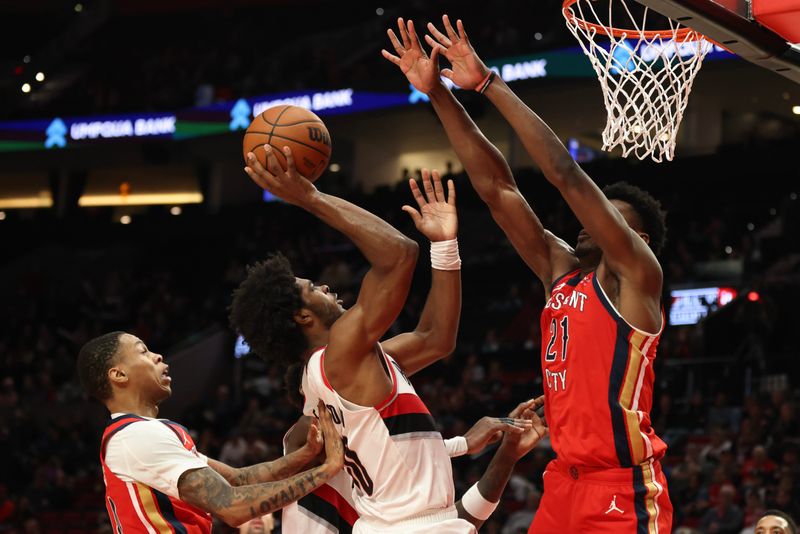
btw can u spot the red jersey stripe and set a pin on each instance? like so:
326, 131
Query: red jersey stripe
343, 507
405, 403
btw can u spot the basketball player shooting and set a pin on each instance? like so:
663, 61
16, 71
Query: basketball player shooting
602, 319
394, 454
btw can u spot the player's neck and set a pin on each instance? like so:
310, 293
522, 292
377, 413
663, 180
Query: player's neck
137, 406
317, 338
588, 265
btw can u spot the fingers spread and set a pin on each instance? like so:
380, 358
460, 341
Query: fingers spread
396, 43
451, 192
442, 38
415, 215
451, 33
417, 193
437, 186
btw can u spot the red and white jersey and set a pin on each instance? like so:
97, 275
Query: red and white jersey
159, 454
598, 378
328, 509
393, 452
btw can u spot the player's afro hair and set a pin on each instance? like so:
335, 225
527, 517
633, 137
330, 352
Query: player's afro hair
263, 311
648, 209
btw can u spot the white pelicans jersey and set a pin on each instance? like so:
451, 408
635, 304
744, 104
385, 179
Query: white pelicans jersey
397, 460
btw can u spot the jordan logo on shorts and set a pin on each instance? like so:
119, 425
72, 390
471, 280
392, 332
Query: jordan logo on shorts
613, 506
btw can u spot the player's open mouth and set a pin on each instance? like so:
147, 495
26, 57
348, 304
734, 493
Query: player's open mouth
165, 376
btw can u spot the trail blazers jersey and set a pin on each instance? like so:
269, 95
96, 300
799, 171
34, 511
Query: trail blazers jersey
393, 452
598, 378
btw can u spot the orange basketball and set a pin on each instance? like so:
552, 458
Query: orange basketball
295, 127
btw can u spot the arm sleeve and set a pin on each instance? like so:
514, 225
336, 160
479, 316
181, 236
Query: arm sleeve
150, 453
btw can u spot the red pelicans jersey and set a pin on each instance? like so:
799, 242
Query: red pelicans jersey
134, 507
400, 469
598, 374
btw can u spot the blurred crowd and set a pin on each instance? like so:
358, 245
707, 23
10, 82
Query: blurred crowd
726, 398
194, 57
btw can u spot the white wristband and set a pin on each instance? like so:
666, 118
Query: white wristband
475, 505
456, 446
444, 255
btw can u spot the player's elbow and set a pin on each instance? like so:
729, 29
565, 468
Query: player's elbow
402, 253
439, 346
563, 171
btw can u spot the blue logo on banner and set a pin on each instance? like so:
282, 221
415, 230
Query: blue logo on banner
623, 58
417, 96
56, 134
240, 115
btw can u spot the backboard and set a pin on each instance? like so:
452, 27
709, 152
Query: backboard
764, 32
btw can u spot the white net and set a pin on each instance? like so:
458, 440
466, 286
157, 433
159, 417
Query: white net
646, 76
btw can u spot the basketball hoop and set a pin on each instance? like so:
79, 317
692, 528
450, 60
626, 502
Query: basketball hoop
646, 75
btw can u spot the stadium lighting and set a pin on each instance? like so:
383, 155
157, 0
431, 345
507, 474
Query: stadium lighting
335, 167
26, 59
40, 76
26, 88
753, 296
379, 11
78, 8
796, 110
175, 210
125, 219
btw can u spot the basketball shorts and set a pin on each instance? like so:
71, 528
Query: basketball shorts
625, 500
440, 522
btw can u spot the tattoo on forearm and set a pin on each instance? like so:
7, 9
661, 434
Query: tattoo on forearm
269, 471
207, 490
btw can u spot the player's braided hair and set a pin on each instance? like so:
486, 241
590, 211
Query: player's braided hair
94, 360
263, 311
648, 209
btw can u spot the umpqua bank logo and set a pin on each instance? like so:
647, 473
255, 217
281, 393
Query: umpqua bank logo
56, 134
240, 115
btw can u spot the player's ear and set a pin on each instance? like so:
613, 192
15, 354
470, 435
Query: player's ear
645, 236
117, 376
303, 317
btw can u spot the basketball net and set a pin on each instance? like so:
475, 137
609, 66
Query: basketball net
646, 75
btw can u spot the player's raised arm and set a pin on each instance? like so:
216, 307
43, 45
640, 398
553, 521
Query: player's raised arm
625, 252
392, 257
487, 169
435, 335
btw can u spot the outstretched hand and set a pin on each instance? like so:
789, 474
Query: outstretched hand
422, 71
288, 185
468, 70
436, 218
490, 429
521, 444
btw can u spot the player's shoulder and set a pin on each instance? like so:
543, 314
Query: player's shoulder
144, 431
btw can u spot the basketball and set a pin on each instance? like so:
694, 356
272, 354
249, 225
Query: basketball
295, 127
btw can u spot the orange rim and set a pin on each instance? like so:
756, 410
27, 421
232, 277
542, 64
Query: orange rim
683, 34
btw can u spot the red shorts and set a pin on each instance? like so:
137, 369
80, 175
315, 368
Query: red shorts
598, 500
